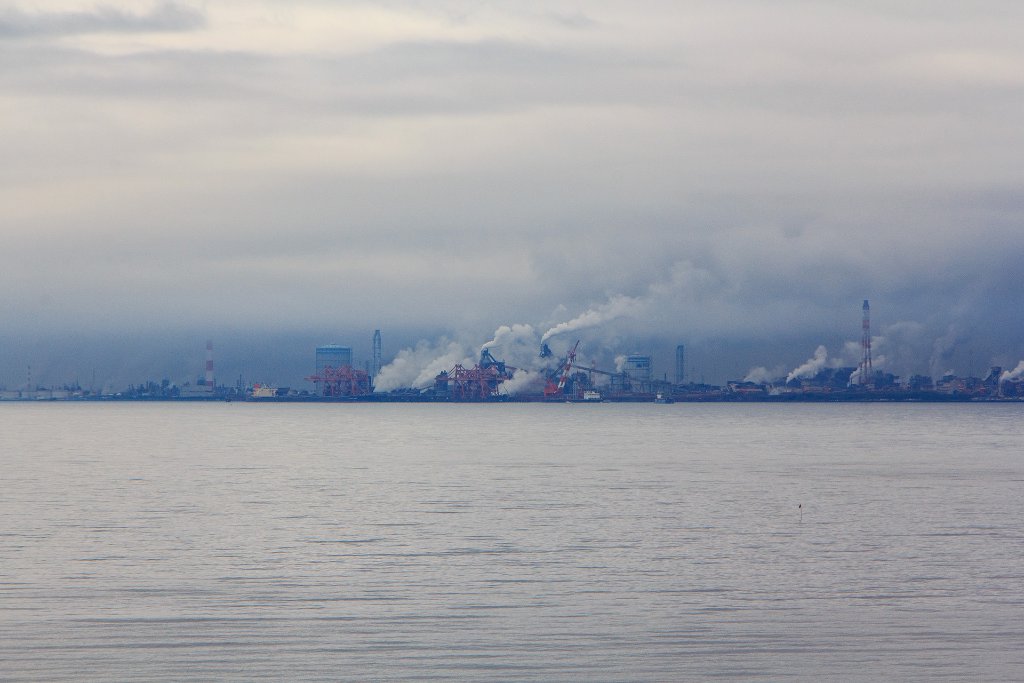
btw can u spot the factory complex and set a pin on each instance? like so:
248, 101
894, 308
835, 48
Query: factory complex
547, 377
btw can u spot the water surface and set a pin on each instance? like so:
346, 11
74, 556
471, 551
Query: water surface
604, 542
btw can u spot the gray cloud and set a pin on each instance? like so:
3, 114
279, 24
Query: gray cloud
166, 16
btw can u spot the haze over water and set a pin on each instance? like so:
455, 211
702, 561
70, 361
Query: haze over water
511, 542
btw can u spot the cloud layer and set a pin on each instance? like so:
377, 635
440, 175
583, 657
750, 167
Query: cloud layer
742, 174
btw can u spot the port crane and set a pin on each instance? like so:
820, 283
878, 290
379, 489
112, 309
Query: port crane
479, 383
553, 389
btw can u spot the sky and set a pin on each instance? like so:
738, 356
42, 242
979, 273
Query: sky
732, 175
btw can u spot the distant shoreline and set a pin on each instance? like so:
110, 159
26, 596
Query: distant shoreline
783, 398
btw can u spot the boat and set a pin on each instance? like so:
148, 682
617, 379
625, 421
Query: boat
662, 398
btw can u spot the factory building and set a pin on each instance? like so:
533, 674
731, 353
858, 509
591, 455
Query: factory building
335, 377
638, 367
333, 356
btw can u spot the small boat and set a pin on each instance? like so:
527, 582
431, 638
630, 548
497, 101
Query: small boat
662, 398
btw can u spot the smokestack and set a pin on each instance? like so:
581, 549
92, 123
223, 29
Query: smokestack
209, 364
865, 345
680, 365
375, 370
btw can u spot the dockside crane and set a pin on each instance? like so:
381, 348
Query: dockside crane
553, 389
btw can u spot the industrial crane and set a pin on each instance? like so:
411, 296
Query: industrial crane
562, 371
569, 360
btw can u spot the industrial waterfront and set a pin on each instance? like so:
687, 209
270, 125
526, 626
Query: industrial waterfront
539, 374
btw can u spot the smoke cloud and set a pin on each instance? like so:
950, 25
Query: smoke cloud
523, 380
942, 350
616, 307
1013, 375
812, 367
417, 367
518, 345
762, 375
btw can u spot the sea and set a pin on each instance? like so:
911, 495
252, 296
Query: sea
511, 542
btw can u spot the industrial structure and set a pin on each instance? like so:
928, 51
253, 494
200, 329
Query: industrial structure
680, 364
333, 356
866, 371
205, 386
342, 382
638, 367
558, 379
572, 380
209, 365
566, 379
335, 377
480, 383
375, 365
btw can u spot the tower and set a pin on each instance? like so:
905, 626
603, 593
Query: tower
375, 367
209, 364
680, 364
865, 346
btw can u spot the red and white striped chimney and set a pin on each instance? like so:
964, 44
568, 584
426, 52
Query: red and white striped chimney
209, 364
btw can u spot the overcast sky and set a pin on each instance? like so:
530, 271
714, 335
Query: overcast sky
730, 174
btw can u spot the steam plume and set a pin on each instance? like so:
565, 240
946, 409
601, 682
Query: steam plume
812, 366
419, 366
615, 307
1013, 375
515, 344
521, 381
762, 375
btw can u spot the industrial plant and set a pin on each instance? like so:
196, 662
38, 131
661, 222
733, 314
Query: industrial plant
545, 376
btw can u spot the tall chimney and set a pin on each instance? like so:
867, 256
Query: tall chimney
209, 364
865, 345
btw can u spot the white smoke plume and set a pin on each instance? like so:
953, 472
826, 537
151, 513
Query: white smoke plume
523, 380
762, 375
517, 345
616, 307
942, 351
506, 333
620, 363
419, 366
1013, 375
812, 366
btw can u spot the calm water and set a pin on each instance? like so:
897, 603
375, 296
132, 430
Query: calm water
514, 542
